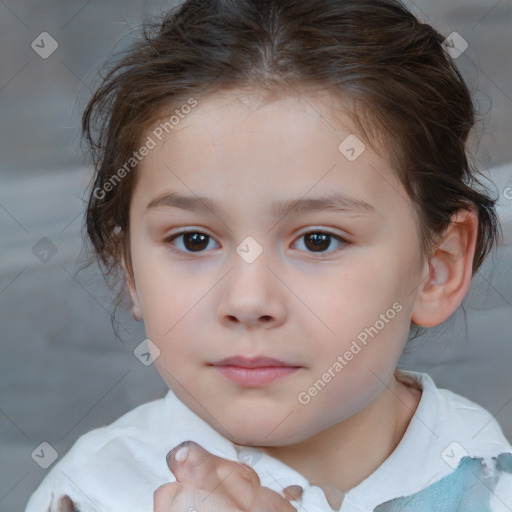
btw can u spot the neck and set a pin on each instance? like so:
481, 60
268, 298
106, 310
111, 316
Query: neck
350, 451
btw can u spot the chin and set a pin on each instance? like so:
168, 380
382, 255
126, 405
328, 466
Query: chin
258, 435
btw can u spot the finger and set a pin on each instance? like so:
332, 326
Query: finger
166, 495
66, 504
293, 492
269, 500
206, 471
178, 497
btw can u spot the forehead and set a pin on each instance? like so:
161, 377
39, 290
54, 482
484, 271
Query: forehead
268, 111
241, 145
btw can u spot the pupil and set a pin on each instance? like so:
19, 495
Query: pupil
320, 240
195, 237
198, 241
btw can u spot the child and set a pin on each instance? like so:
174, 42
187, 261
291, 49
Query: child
314, 151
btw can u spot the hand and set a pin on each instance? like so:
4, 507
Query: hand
207, 483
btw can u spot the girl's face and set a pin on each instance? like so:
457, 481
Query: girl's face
329, 290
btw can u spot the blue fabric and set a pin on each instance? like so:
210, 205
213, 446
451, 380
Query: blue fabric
467, 489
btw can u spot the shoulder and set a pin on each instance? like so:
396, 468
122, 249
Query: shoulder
131, 433
123, 453
482, 452
458, 420
456, 446
476, 485
471, 425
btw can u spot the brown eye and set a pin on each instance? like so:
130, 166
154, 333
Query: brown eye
191, 241
195, 241
320, 241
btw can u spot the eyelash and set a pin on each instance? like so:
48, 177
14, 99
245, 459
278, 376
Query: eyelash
169, 240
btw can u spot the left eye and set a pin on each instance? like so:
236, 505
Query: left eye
318, 241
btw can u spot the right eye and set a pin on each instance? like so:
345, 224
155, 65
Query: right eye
191, 242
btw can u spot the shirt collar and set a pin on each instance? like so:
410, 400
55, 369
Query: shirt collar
412, 452
273, 473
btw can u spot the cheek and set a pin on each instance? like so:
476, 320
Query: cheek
163, 301
172, 316
361, 318
346, 303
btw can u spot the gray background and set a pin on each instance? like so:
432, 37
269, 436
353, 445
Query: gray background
62, 371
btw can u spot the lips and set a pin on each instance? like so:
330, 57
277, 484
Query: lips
254, 372
255, 362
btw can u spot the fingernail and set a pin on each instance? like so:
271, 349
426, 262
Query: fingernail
181, 454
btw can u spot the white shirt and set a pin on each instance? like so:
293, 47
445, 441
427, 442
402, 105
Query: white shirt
118, 467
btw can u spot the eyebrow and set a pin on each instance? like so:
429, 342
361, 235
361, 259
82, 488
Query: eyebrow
336, 202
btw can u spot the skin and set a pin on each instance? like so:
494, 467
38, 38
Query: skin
292, 303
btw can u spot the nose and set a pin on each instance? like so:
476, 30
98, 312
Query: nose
252, 297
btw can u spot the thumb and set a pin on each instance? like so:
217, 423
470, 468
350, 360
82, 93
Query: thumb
189, 458
190, 463
194, 466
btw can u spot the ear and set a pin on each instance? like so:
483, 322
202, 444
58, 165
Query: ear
448, 271
130, 282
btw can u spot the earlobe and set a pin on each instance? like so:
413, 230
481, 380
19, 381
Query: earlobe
130, 282
137, 312
448, 272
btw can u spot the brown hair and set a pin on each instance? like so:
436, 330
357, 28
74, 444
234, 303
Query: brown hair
405, 90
